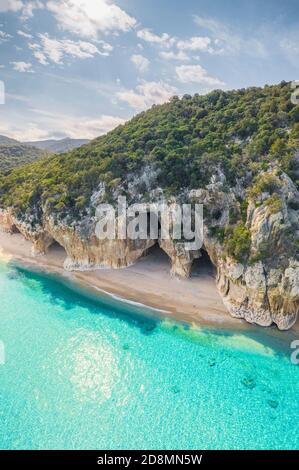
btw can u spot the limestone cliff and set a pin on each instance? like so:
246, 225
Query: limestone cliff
236, 152
262, 288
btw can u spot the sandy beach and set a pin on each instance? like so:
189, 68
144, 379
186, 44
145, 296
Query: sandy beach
149, 282
195, 301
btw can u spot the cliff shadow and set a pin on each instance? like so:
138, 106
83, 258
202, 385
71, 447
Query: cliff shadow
55, 247
203, 266
56, 252
14, 230
156, 260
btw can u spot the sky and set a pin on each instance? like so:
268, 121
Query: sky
78, 68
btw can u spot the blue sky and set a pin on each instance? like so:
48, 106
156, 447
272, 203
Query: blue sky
78, 68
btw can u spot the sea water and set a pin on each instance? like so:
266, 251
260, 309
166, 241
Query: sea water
84, 373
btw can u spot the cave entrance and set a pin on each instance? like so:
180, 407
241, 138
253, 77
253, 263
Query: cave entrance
156, 260
14, 230
57, 251
203, 266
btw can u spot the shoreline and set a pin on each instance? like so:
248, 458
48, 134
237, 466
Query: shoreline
148, 284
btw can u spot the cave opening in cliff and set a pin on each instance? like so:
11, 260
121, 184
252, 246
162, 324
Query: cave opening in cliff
14, 230
203, 266
55, 249
156, 259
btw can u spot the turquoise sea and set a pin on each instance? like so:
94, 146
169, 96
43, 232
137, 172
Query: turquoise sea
82, 373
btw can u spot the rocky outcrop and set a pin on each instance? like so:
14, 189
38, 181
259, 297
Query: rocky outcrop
84, 251
41, 240
7, 223
262, 288
181, 259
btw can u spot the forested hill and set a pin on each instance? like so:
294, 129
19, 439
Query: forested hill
14, 154
58, 146
184, 142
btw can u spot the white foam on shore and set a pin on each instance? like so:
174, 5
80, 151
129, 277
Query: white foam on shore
130, 302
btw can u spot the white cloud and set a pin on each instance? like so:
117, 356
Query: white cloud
289, 46
22, 66
11, 5
90, 128
90, 18
54, 50
229, 42
27, 10
147, 94
41, 57
196, 74
4, 36
140, 62
197, 43
166, 42
225, 39
26, 7
55, 125
24, 134
21, 98
170, 55
148, 36
24, 34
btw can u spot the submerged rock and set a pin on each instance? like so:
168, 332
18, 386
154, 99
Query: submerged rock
273, 403
249, 382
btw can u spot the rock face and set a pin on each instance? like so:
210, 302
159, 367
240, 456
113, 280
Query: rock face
84, 252
265, 288
262, 288
88, 252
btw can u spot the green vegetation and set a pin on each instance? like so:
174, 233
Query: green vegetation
267, 183
16, 154
217, 232
237, 241
184, 142
274, 203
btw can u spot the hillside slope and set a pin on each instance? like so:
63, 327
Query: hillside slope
7, 140
58, 146
236, 152
14, 154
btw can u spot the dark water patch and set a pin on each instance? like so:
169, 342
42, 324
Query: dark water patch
273, 404
249, 382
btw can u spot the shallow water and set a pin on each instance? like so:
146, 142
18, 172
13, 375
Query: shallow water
86, 374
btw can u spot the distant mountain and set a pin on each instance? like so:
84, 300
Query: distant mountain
14, 153
58, 146
7, 140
